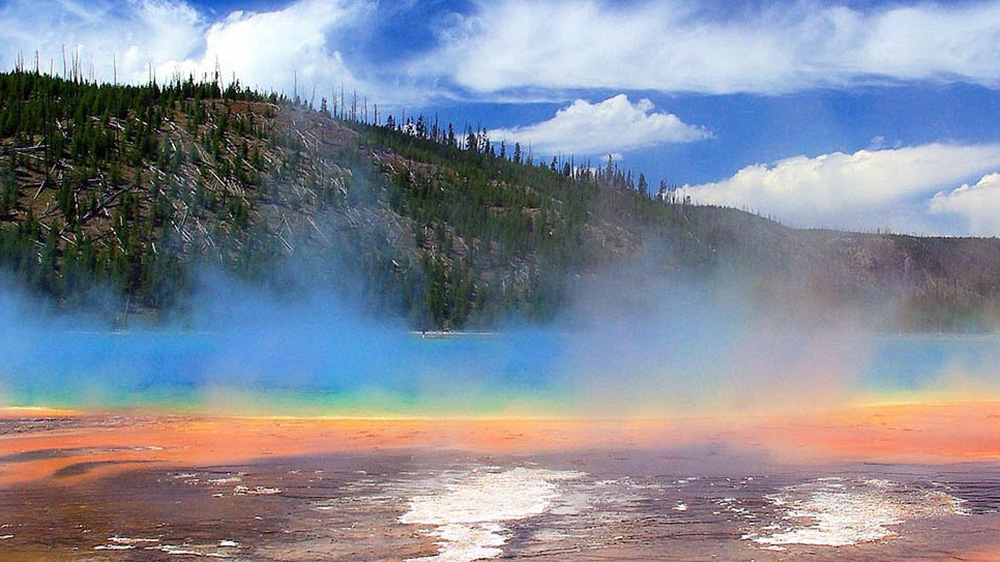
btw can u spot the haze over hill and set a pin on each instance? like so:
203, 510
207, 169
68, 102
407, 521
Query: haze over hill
460, 280
121, 198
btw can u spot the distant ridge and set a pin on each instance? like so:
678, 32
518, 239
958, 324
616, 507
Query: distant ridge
135, 189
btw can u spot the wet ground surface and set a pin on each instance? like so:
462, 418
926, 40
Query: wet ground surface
48, 423
691, 503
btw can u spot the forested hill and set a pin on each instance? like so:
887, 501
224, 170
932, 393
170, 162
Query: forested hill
134, 189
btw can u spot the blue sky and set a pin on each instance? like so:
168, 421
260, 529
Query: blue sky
860, 115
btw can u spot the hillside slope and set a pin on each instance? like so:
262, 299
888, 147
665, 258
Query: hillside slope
138, 188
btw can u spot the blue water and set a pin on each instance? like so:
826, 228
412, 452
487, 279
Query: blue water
372, 370
921, 362
69, 368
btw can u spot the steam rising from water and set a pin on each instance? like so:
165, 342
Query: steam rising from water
623, 348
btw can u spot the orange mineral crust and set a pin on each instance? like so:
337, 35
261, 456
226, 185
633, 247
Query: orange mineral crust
913, 432
107, 443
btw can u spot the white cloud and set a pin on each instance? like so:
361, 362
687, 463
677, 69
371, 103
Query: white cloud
134, 35
867, 189
978, 206
512, 49
264, 49
677, 46
270, 48
611, 126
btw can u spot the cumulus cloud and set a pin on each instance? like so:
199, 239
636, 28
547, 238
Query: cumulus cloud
978, 206
679, 46
100, 33
513, 49
867, 189
267, 49
611, 126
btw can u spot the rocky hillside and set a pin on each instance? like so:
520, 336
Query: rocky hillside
129, 192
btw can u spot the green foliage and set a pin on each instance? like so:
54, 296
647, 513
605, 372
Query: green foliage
90, 144
492, 235
125, 187
8, 192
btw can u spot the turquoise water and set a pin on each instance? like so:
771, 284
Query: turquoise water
927, 362
358, 370
370, 370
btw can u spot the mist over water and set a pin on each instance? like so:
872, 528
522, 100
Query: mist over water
244, 351
619, 349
